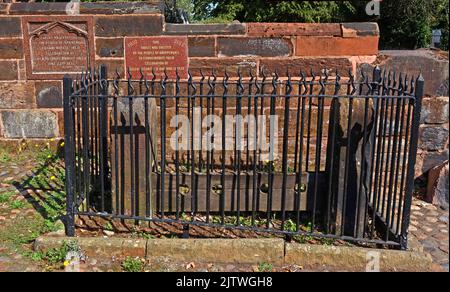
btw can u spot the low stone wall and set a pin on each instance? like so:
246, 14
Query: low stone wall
434, 128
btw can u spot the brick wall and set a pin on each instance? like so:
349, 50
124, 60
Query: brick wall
32, 108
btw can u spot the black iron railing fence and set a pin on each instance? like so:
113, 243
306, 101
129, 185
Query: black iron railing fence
308, 154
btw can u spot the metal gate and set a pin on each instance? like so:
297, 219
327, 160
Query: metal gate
322, 155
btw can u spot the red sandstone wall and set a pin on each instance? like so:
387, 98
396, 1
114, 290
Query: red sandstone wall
32, 108
251, 46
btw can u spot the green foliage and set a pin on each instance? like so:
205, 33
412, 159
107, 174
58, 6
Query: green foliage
404, 24
6, 196
442, 22
144, 235
4, 156
17, 204
133, 265
265, 267
58, 255
275, 11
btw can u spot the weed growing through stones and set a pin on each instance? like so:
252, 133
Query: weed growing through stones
133, 265
144, 235
109, 226
265, 267
17, 204
56, 257
4, 157
6, 196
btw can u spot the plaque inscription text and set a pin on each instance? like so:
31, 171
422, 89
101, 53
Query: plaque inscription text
56, 47
157, 53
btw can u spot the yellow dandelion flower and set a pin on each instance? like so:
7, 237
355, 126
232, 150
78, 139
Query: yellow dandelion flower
66, 263
53, 177
62, 144
52, 140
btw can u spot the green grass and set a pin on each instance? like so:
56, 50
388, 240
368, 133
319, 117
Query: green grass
17, 204
265, 267
6, 196
144, 235
58, 255
22, 230
133, 265
4, 157
109, 227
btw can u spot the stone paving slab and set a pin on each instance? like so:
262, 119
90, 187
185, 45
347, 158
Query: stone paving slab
429, 225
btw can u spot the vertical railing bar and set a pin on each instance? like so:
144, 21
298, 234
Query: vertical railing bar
350, 92
385, 204
238, 137
380, 150
74, 149
69, 162
163, 140
419, 90
194, 191
103, 133
91, 127
271, 148
131, 141
287, 97
97, 131
363, 173
308, 138
177, 149
397, 167
404, 161
375, 143
256, 176
335, 100
79, 168
248, 156
200, 154
300, 160
393, 157
85, 126
260, 135
222, 179
144, 82
211, 85
320, 104
116, 143
383, 149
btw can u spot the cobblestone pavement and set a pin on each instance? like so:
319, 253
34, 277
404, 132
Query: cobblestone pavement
21, 218
429, 225
14, 212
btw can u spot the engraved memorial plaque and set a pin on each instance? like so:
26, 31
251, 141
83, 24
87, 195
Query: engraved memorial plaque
57, 45
158, 53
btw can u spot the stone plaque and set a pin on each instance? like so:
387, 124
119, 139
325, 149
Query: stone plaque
162, 52
58, 45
